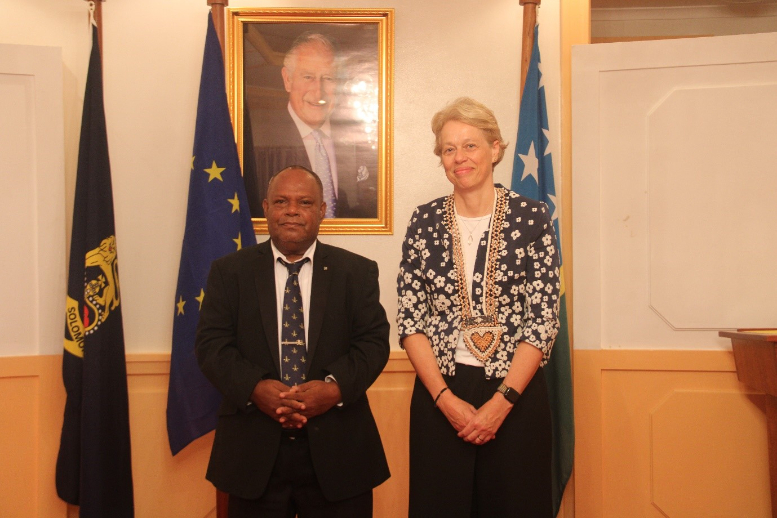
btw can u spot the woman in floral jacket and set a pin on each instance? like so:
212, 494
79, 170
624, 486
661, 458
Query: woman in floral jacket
478, 294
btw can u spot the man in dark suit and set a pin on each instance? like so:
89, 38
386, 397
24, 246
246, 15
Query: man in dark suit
295, 432
308, 132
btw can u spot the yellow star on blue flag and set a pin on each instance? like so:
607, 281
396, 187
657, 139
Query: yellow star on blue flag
211, 227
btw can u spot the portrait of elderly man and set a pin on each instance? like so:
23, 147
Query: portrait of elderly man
312, 129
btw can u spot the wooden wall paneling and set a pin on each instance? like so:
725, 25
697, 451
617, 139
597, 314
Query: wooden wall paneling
174, 487
668, 433
18, 424
33, 401
586, 372
390, 401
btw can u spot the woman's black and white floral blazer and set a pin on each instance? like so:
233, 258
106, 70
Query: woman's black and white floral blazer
527, 283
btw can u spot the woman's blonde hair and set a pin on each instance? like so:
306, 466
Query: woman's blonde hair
473, 113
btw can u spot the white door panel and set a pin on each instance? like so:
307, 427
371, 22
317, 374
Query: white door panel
675, 191
32, 201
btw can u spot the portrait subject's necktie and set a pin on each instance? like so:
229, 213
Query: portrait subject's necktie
324, 171
293, 348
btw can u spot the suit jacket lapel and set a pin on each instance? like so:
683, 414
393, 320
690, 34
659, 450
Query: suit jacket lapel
264, 277
322, 277
291, 145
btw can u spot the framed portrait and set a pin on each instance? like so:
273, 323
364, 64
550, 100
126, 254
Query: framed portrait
314, 87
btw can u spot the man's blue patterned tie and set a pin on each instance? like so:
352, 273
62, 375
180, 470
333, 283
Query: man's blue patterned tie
293, 348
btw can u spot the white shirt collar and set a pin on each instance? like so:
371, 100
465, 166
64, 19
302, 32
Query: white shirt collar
308, 253
304, 129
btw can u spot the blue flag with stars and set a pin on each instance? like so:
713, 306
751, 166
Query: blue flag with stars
533, 178
218, 222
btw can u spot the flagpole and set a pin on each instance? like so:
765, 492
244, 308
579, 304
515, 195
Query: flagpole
98, 19
217, 12
527, 43
558, 372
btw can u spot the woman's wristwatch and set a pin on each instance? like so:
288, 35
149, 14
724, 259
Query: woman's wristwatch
509, 393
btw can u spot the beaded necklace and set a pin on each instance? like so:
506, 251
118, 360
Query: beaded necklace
481, 332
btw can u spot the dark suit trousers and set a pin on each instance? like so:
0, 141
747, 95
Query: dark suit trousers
293, 489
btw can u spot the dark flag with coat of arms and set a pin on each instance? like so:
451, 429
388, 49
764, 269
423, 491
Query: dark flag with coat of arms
94, 467
218, 222
533, 178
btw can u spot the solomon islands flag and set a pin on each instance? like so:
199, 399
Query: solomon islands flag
533, 177
94, 467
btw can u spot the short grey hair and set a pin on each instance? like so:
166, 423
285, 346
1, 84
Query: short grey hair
307, 38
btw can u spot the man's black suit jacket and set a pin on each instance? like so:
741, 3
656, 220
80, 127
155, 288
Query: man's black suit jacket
237, 346
281, 146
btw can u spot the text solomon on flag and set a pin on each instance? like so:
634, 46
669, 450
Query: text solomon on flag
94, 468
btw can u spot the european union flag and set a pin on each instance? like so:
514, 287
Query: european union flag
94, 465
533, 178
218, 222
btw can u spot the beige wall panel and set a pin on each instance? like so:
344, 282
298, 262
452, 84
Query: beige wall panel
30, 423
709, 449
18, 448
177, 484
688, 444
668, 433
390, 402
173, 487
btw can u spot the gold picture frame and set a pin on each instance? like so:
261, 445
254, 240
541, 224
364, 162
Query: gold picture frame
359, 100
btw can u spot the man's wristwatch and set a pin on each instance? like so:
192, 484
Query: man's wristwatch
509, 393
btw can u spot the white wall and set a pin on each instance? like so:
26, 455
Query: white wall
152, 54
